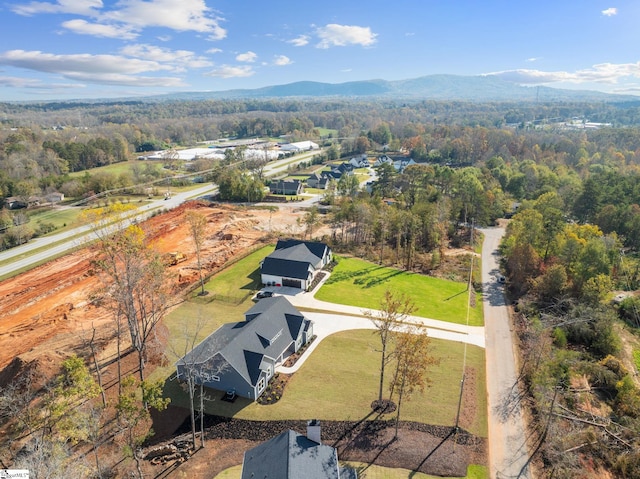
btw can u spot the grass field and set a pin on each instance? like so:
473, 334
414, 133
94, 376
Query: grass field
60, 218
343, 370
240, 279
115, 168
376, 472
360, 283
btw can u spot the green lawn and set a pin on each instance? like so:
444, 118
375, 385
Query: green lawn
343, 371
360, 283
61, 219
115, 168
376, 472
241, 279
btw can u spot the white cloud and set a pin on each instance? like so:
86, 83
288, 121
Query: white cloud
131, 16
300, 41
99, 30
165, 55
214, 50
608, 73
179, 15
32, 83
128, 80
248, 57
282, 60
334, 35
104, 69
78, 7
610, 12
532, 59
230, 71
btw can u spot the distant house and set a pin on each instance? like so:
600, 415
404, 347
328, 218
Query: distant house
337, 171
54, 197
318, 181
361, 162
243, 356
294, 263
289, 187
399, 164
299, 146
291, 455
382, 159
15, 202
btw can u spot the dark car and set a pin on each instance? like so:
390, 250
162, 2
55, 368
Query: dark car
264, 294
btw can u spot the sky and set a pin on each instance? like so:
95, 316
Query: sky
88, 49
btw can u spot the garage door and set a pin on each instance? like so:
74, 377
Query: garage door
294, 283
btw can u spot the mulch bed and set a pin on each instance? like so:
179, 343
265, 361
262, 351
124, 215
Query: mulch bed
419, 447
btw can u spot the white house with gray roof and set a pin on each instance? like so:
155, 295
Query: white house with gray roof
243, 356
294, 263
291, 455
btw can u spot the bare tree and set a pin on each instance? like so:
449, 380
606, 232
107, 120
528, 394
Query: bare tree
191, 369
394, 309
311, 220
197, 228
413, 359
133, 275
91, 344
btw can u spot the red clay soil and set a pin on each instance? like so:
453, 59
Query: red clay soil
45, 313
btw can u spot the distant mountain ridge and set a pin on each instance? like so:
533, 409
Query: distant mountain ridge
432, 87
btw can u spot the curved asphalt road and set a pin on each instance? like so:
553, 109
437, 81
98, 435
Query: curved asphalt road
508, 452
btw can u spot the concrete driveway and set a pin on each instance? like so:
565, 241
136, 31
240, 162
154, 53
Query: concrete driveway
338, 317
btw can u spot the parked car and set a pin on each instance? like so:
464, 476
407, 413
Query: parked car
264, 294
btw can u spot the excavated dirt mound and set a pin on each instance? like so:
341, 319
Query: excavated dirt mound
48, 308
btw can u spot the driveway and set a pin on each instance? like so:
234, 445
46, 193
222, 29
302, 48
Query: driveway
338, 317
508, 452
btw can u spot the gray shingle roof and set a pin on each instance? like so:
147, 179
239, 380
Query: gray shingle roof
291, 455
317, 248
292, 258
269, 328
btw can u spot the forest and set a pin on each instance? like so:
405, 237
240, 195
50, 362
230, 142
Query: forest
572, 197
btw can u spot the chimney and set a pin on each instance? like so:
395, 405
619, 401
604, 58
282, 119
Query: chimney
313, 430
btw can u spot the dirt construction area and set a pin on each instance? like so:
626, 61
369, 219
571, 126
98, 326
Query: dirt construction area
46, 314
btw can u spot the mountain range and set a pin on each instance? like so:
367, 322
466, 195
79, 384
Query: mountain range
432, 87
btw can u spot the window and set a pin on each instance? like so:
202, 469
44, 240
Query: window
261, 384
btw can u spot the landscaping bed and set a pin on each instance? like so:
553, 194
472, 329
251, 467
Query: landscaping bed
420, 447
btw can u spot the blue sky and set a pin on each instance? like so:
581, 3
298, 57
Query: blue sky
74, 49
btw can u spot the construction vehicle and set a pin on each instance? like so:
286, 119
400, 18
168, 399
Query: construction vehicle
174, 258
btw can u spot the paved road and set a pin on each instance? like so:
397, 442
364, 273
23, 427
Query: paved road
508, 451
22, 256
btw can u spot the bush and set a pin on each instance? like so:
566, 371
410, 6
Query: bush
559, 338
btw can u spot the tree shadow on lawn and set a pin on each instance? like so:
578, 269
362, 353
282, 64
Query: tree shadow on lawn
376, 280
336, 277
457, 294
